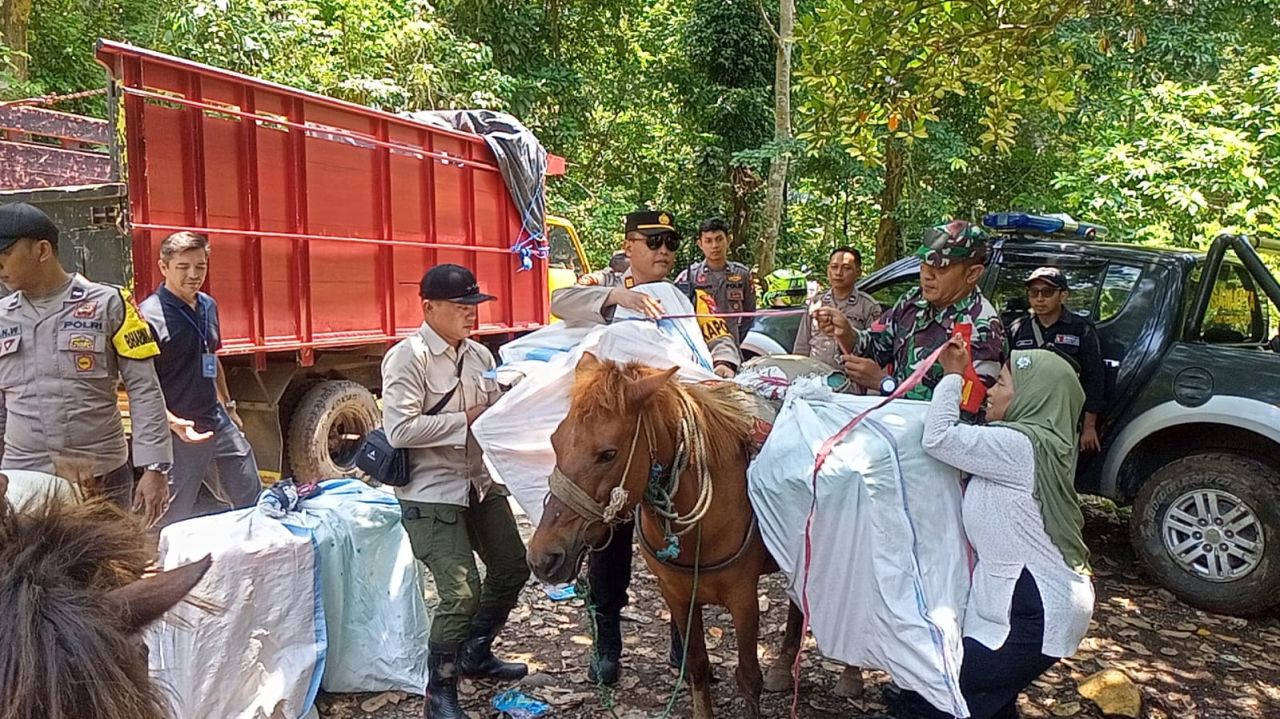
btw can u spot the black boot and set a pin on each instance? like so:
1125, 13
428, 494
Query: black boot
676, 657
606, 655
476, 659
442, 686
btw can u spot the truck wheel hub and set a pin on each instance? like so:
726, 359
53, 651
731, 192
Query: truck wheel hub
1213, 534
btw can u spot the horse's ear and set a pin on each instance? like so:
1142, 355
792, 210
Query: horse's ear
146, 600
644, 389
588, 362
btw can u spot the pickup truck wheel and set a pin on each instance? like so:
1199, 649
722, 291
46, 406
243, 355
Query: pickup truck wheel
1207, 527
327, 427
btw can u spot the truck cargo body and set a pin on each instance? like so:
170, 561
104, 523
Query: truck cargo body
322, 216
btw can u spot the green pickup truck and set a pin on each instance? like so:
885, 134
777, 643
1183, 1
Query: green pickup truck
1191, 436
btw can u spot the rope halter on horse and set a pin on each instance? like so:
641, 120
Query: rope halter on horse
586, 506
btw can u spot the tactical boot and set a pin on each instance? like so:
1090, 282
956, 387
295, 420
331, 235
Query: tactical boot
606, 655
476, 659
442, 686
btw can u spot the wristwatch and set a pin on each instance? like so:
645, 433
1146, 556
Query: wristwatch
888, 385
162, 467
229, 405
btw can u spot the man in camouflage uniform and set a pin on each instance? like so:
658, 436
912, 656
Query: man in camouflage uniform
728, 283
651, 243
951, 263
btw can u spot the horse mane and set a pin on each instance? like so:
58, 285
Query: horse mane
65, 652
723, 412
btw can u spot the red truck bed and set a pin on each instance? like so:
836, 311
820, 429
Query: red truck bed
322, 214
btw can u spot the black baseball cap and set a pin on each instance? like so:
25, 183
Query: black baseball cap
1051, 275
19, 220
651, 224
452, 283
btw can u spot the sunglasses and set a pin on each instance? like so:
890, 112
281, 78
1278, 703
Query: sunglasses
671, 241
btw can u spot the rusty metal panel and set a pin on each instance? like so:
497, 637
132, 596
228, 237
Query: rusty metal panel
51, 123
25, 166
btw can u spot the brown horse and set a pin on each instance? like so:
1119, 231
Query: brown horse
72, 602
622, 422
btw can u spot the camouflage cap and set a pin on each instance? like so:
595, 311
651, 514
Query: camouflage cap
955, 241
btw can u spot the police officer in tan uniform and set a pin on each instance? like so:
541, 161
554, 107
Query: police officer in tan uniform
728, 283
65, 345
651, 243
434, 386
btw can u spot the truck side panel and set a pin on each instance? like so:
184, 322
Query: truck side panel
322, 214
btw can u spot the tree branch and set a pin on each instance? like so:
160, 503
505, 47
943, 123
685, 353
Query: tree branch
764, 16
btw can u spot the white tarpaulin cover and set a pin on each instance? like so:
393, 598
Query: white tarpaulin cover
515, 433
889, 574
329, 592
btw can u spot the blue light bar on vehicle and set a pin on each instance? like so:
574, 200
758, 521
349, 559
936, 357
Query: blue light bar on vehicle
1044, 224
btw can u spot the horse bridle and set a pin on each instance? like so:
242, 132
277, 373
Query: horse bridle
612, 515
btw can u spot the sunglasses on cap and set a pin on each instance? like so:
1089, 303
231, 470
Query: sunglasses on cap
935, 238
654, 242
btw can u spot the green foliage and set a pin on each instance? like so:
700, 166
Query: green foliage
1155, 117
1192, 160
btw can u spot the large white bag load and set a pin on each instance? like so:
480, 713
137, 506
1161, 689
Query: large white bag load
515, 433
29, 490
327, 596
888, 578
262, 653
375, 617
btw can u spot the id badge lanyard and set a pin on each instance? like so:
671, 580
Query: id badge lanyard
208, 360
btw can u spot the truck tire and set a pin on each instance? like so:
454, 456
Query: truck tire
1207, 528
327, 427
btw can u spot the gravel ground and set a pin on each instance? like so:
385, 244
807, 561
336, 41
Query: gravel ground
1187, 664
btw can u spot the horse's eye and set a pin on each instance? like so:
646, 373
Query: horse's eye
606, 456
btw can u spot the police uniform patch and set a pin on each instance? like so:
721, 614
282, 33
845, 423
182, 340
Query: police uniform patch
735, 278
9, 345
1068, 340
85, 363
86, 310
77, 294
134, 339
82, 325
588, 280
81, 343
736, 294
629, 282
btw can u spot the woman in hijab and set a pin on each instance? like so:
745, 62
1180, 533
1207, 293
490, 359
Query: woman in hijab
1031, 598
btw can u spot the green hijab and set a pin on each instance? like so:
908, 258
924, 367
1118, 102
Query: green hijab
1047, 400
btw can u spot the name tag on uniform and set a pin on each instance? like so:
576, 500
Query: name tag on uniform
1068, 340
208, 365
1023, 344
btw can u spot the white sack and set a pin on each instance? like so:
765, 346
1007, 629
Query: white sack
262, 655
889, 575
28, 490
515, 433
375, 616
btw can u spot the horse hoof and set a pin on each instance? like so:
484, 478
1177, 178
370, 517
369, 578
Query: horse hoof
778, 679
850, 685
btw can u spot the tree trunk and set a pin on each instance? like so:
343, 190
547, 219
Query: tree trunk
15, 16
742, 184
775, 196
888, 240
